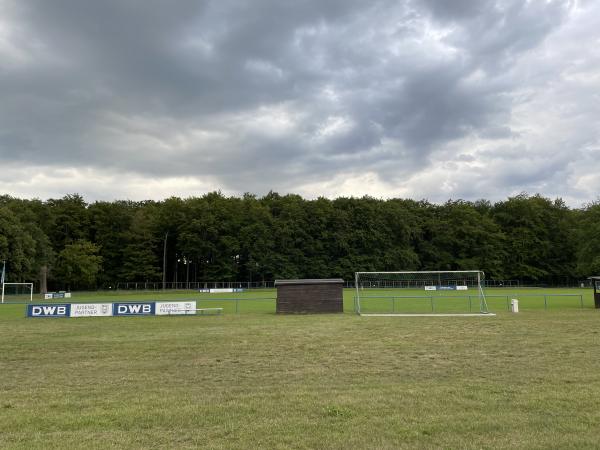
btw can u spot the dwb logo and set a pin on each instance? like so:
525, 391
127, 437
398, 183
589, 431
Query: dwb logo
133, 309
48, 310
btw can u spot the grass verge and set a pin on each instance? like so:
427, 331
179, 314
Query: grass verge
322, 381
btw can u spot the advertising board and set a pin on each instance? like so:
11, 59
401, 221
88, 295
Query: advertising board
91, 310
114, 309
175, 308
48, 310
133, 309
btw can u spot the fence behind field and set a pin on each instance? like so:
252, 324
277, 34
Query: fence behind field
239, 305
538, 301
470, 303
151, 286
192, 286
268, 284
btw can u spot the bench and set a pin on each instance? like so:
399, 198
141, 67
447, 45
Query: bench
209, 311
199, 311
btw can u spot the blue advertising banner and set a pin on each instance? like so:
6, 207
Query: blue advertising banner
49, 310
113, 309
134, 309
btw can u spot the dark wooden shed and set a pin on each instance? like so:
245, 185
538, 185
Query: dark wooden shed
596, 285
310, 296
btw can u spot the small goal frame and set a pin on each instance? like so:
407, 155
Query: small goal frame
478, 276
19, 284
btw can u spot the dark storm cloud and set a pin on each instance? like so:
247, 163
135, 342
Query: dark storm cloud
267, 94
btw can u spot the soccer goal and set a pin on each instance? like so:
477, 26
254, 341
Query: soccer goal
17, 292
425, 293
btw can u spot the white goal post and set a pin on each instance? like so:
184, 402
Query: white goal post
27, 290
421, 293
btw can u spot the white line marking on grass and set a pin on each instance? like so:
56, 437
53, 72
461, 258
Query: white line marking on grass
429, 315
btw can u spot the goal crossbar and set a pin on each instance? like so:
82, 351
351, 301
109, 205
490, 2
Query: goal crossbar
424, 272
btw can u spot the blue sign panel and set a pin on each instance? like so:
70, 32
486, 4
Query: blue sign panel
133, 309
48, 310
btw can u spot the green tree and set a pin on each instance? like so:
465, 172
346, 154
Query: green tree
289, 234
140, 260
405, 228
17, 246
463, 237
67, 220
78, 265
588, 240
110, 224
256, 245
539, 238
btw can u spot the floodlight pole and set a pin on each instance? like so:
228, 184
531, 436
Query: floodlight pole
165, 261
3, 275
187, 272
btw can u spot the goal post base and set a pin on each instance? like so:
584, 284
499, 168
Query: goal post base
428, 315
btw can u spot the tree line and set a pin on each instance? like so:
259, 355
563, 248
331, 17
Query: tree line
67, 243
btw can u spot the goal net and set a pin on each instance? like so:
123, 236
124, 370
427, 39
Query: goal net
420, 293
17, 292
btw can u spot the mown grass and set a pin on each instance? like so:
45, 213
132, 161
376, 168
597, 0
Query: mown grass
258, 380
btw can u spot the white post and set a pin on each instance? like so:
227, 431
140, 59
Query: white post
356, 300
514, 305
479, 291
2, 276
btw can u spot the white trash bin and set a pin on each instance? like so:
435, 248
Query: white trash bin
514, 305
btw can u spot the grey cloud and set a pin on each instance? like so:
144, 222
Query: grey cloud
497, 132
507, 29
168, 89
456, 9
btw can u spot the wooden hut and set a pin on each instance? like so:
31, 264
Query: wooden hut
310, 296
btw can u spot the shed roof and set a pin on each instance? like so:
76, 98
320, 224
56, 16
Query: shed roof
309, 281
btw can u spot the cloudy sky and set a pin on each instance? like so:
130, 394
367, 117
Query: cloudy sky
434, 99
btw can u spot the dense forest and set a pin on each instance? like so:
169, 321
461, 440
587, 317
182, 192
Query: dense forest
69, 244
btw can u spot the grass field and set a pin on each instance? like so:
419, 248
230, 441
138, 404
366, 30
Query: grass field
258, 380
